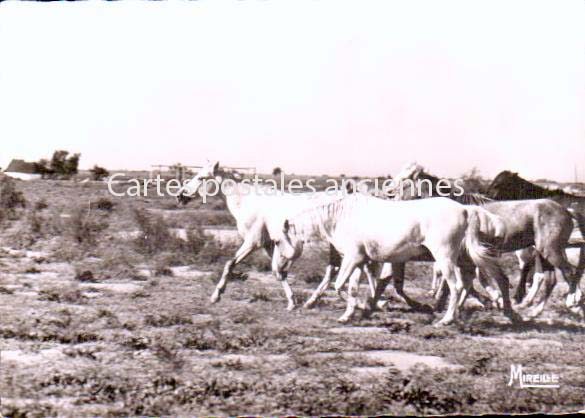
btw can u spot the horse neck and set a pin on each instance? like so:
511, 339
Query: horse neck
238, 196
320, 222
234, 198
470, 199
434, 185
527, 190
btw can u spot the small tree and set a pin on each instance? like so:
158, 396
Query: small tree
63, 164
99, 173
71, 164
42, 167
58, 161
276, 171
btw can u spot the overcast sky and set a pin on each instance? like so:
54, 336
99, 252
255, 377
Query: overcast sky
354, 87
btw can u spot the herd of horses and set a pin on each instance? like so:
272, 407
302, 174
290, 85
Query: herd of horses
464, 234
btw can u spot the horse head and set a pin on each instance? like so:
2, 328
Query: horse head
405, 182
505, 182
191, 188
286, 251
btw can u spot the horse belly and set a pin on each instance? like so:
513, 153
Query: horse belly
397, 253
517, 241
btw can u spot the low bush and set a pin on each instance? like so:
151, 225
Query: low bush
11, 199
117, 262
427, 391
156, 239
83, 228
41, 205
62, 294
103, 204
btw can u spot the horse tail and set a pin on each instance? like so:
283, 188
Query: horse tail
490, 225
478, 219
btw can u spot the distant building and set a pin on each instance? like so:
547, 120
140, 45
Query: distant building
20, 169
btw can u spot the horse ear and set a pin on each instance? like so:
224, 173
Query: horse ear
416, 172
286, 226
215, 166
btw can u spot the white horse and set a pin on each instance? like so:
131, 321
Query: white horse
542, 223
366, 229
259, 211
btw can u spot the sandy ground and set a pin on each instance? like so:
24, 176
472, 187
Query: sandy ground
150, 343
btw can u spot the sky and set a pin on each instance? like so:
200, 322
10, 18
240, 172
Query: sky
315, 87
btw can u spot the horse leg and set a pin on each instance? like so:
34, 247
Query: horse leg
287, 291
374, 302
526, 260
340, 282
494, 294
249, 245
551, 243
398, 270
455, 283
578, 308
503, 283
373, 285
442, 295
371, 280
334, 262
321, 288
435, 283
348, 265
281, 271
550, 281
537, 281
574, 299
465, 292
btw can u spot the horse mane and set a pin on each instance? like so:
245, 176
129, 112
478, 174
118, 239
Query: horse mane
417, 172
510, 185
318, 221
470, 199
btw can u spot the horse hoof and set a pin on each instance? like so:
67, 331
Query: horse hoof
515, 317
382, 304
572, 301
309, 304
343, 319
214, 298
532, 313
290, 307
442, 323
578, 311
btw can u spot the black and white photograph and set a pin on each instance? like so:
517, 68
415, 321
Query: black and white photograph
292, 208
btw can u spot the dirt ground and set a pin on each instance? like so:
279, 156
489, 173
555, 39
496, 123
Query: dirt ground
105, 312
